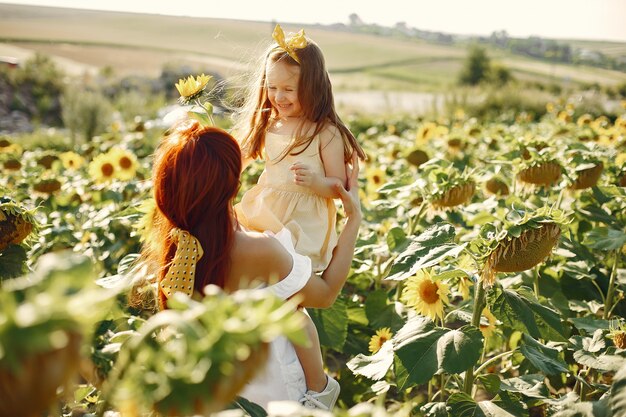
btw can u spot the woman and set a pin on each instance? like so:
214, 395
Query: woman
196, 179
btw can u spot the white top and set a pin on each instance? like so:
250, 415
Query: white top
283, 377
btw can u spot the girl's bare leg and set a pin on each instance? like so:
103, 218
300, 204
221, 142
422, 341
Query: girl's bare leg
311, 358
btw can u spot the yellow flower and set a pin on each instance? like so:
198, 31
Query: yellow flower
102, 168
71, 160
145, 225
550, 107
564, 117
381, 336
191, 88
125, 163
488, 329
584, 120
426, 295
10, 148
428, 131
376, 177
464, 287
620, 159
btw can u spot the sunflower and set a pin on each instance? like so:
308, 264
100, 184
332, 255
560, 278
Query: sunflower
191, 88
426, 295
381, 336
584, 120
488, 329
102, 168
10, 148
376, 177
525, 240
71, 160
429, 131
125, 163
145, 225
618, 334
16, 223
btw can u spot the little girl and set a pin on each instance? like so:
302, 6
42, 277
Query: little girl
290, 121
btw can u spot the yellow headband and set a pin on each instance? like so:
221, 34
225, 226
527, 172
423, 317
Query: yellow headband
180, 276
297, 41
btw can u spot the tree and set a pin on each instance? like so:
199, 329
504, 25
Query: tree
476, 68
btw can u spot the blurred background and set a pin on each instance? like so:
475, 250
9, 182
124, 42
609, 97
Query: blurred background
422, 58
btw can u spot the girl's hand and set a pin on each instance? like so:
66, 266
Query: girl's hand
302, 174
350, 197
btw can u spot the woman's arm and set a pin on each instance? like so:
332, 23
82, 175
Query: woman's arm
331, 151
322, 292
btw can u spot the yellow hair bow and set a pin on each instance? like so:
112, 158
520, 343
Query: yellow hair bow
297, 41
180, 276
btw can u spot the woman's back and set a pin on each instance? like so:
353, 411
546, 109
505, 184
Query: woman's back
256, 257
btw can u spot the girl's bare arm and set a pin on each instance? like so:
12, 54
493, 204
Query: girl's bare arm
331, 151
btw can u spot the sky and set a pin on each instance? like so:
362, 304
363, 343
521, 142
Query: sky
560, 19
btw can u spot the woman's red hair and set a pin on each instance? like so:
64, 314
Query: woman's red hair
196, 177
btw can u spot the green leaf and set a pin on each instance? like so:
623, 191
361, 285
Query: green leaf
462, 405
127, 262
253, 409
416, 351
595, 343
376, 366
589, 324
435, 410
603, 238
457, 350
587, 409
542, 357
512, 310
512, 403
521, 311
618, 393
396, 239
332, 324
379, 312
530, 385
605, 363
13, 262
491, 382
429, 248
547, 319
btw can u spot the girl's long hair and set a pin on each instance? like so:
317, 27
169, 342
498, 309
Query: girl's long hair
196, 177
316, 99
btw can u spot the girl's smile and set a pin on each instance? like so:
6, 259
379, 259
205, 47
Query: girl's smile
282, 88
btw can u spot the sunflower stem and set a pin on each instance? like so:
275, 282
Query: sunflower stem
494, 359
442, 379
430, 390
479, 299
608, 305
536, 280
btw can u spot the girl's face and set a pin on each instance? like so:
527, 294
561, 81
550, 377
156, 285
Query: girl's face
282, 88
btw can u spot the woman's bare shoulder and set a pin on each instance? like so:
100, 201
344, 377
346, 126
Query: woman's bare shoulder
260, 256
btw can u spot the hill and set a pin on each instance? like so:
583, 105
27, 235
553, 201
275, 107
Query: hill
130, 43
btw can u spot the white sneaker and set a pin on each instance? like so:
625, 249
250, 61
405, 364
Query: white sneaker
324, 400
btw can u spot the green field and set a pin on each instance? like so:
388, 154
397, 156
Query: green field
142, 43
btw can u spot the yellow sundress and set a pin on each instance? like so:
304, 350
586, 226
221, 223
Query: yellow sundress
276, 202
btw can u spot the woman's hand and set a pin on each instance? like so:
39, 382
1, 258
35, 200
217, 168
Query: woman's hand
350, 197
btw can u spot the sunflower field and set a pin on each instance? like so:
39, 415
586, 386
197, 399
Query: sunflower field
488, 280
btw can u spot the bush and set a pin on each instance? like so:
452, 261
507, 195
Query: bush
35, 89
87, 113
